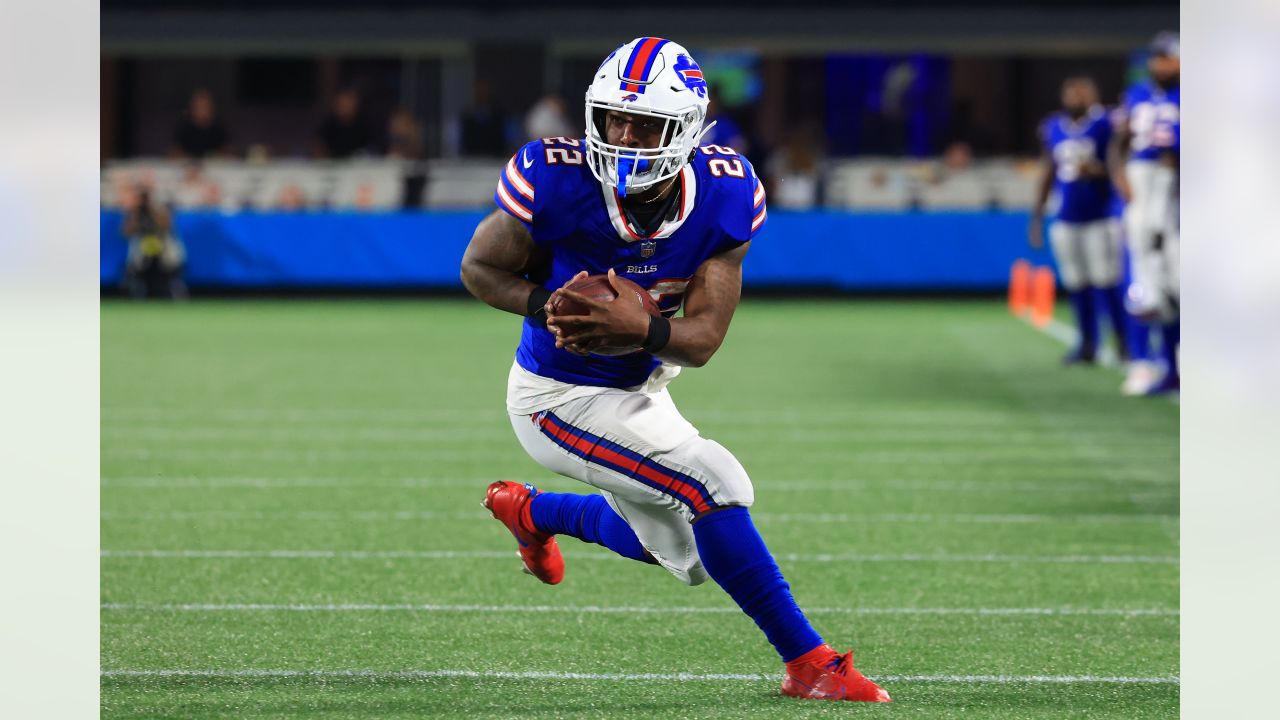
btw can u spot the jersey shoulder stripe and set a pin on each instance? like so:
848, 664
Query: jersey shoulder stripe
761, 212
515, 192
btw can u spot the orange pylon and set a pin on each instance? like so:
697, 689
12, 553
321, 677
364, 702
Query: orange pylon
1020, 287
1043, 288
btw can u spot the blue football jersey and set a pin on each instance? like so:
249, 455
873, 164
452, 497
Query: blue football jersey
1152, 114
1071, 144
580, 222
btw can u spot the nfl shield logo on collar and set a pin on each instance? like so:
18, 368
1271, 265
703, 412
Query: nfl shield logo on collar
647, 248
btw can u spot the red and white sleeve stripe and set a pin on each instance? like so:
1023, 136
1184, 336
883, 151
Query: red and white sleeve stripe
760, 210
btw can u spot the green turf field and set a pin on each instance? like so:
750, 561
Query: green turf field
291, 521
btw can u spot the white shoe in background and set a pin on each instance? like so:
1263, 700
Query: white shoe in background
1142, 375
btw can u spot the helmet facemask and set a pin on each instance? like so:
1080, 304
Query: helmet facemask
632, 170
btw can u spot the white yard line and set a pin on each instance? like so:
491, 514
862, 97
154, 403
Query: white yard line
905, 457
494, 554
1049, 486
288, 482
773, 418
1067, 335
772, 415
821, 518
614, 677
627, 610
960, 518
800, 435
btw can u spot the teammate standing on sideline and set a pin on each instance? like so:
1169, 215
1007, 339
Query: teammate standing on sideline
1144, 159
1085, 239
637, 198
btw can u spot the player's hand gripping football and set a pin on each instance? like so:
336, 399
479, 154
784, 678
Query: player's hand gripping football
606, 328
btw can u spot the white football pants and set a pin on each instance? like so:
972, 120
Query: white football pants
651, 464
1152, 227
1088, 253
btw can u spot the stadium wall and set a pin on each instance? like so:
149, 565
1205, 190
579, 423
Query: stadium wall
849, 251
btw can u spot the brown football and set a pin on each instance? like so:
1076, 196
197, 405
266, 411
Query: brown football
597, 287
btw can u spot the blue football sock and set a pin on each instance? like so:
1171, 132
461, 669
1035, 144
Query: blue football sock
588, 518
1113, 300
1170, 336
735, 557
1139, 335
1086, 316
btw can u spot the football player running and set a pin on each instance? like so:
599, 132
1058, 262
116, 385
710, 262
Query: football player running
637, 198
1085, 238
1144, 160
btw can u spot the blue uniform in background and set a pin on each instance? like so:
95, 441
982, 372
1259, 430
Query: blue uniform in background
1072, 143
1153, 115
583, 225
1084, 236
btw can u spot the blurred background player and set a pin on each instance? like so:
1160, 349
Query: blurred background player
587, 395
156, 257
1084, 236
1147, 145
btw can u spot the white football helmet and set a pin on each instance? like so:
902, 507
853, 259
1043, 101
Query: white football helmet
650, 77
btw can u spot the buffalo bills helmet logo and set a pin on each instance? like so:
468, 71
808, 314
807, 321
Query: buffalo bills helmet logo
690, 74
630, 98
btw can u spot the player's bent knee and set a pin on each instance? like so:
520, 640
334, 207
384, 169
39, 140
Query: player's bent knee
726, 480
713, 511
696, 576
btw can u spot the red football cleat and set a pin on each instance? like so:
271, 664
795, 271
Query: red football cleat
821, 674
509, 503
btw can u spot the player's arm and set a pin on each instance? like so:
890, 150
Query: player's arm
1117, 153
1044, 183
709, 302
500, 254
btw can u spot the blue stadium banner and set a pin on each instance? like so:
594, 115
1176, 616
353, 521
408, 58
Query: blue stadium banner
827, 249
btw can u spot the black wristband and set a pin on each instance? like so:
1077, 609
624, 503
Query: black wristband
659, 334
536, 306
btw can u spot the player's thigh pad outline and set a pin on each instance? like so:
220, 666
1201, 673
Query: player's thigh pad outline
626, 444
1067, 241
639, 447
1101, 249
666, 534
1152, 204
1151, 226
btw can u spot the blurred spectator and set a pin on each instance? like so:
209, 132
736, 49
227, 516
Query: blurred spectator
200, 132
958, 157
404, 140
153, 267
344, 132
195, 190
793, 173
291, 199
726, 132
547, 118
366, 198
484, 126
404, 136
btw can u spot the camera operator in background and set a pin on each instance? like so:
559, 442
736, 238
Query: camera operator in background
154, 265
